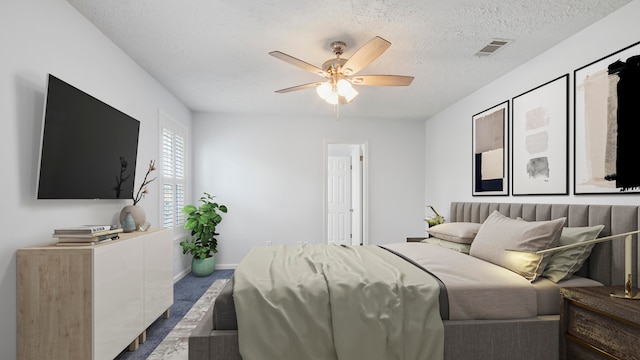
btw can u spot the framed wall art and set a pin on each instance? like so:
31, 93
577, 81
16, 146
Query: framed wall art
539, 123
489, 143
607, 124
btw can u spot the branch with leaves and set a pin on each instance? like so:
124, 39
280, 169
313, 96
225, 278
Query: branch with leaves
143, 187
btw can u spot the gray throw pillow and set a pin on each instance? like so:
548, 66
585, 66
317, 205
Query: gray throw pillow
563, 264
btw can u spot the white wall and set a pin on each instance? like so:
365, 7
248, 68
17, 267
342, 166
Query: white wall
269, 172
49, 36
448, 134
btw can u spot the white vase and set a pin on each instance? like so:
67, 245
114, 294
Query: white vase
137, 212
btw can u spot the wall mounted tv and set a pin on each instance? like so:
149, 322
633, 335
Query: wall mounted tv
89, 148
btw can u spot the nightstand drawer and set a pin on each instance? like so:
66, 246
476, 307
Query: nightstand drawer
609, 334
580, 351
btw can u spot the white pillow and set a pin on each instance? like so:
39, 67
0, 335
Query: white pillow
499, 233
459, 232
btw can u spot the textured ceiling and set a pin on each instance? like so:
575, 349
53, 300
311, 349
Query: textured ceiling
213, 55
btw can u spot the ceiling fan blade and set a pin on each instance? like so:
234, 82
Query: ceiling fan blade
365, 55
299, 87
297, 62
382, 80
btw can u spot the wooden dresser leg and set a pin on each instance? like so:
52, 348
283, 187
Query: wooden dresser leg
143, 337
167, 314
135, 344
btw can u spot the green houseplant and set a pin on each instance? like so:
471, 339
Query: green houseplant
436, 220
202, 222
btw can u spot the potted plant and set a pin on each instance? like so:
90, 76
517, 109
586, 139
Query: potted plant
436, 220
202, 222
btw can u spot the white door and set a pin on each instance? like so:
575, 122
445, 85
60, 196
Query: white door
339, 200
356, 196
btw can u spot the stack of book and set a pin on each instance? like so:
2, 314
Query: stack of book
85, 235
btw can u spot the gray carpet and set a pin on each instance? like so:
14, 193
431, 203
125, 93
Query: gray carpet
186, 293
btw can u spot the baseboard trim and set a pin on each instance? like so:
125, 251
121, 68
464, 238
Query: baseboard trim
226, 266
181, 274
186, 271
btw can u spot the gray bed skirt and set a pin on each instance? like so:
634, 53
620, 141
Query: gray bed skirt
535, 338
216, 338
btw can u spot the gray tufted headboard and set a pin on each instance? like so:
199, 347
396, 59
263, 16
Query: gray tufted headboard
606, 263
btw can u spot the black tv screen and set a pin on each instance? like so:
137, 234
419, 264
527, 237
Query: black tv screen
89, 148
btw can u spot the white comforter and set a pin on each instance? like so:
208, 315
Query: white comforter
333, 302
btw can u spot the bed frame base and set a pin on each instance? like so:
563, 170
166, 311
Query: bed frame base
535, 338
205, 343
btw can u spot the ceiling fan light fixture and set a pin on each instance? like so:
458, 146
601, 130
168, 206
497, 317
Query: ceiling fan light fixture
351, 94
344, 87
324, 90
332, 98
341, 92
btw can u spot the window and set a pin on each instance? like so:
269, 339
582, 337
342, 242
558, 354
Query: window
172, 171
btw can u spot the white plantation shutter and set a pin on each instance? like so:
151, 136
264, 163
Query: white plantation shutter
173, 166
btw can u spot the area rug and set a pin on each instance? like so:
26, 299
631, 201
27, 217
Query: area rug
175, 345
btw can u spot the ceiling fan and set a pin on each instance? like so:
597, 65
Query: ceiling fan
341, 73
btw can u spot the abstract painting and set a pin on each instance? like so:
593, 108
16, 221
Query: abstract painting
490, 165
607, 124
540, 123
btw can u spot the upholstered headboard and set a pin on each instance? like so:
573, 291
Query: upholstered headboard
606, 263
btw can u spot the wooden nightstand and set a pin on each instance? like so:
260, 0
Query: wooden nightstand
594, 325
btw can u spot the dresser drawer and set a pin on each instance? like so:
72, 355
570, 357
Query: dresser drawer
610, 334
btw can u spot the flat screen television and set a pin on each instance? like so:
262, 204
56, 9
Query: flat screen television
89, 149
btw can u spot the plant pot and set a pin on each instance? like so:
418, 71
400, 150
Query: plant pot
139, 217
203, 267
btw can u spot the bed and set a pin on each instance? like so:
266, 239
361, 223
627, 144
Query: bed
532, 332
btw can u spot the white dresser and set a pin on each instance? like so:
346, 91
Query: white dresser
91, 302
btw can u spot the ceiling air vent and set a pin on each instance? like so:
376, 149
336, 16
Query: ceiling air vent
493, 46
